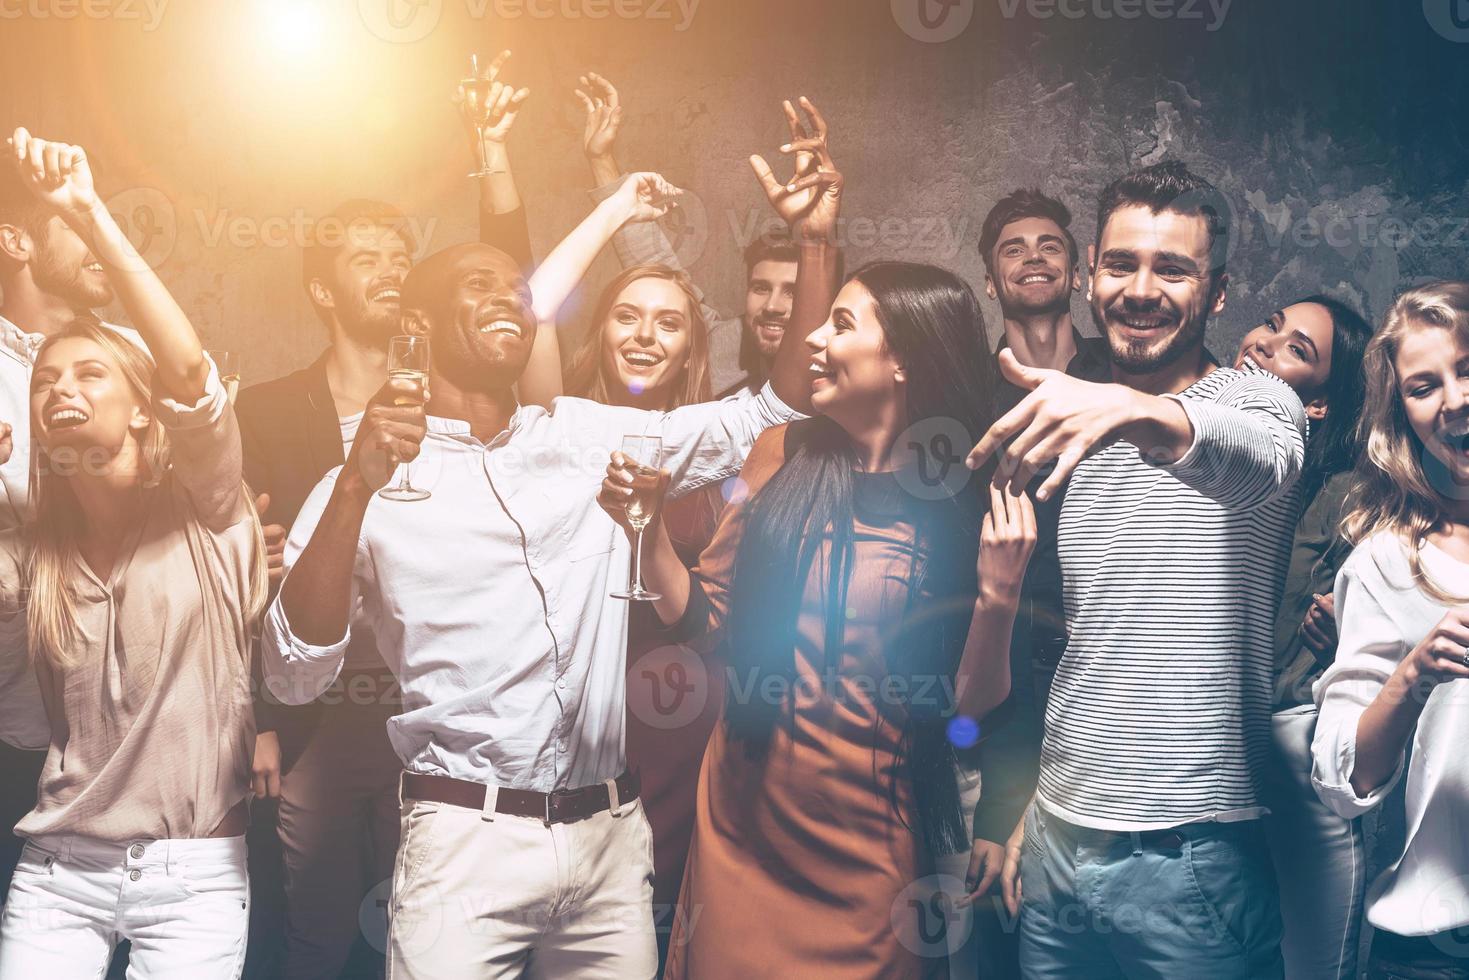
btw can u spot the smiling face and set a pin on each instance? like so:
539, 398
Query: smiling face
1151, 291
478, 307
770, 292
1032, 272
1432, 368
63, 266
366, 283
81, 400
1295, 345
854, 376
647, 336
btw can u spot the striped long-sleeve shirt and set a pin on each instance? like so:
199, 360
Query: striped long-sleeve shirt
1160, 712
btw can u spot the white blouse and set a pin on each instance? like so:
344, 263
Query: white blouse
1382, 615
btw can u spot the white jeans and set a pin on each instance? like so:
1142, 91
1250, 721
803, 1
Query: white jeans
491, 896
183, 904
1320, 859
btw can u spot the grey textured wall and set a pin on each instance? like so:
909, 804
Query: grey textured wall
1334, 128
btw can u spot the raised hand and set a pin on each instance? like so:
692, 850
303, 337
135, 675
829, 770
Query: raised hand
646, 196
501, 104
810, 201
56, 173
7, 442
391, 432
1006, 540
604, 115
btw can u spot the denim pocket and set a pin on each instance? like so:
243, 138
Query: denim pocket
1231, 877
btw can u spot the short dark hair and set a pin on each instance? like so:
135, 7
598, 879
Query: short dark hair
774, 246
328, 235
778, 246
1023, 202
1171, 186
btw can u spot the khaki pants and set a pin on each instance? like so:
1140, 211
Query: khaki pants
482, 898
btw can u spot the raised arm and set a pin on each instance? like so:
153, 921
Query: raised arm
1007, 538
636, 243
642, 197
810, 203
60, 177
502, 220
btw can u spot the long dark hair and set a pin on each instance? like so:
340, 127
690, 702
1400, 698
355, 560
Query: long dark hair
932, 324
1334, 443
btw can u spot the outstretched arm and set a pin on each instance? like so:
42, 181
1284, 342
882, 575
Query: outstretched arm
642, 197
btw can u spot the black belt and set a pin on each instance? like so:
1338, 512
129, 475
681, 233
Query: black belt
560, 806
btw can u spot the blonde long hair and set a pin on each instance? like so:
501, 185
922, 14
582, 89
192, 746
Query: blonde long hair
1391, 488
52, 553
586, 375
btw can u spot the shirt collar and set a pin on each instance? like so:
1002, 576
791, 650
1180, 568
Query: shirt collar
17, 340
458, 429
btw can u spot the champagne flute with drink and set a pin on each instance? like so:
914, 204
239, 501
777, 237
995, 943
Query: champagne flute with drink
407, 361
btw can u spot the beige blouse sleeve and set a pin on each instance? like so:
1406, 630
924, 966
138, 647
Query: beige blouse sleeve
204, 440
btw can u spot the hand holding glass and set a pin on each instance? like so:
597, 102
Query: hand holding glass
643, 453
407, 361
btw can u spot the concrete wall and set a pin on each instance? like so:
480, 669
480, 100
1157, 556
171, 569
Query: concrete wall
218, 133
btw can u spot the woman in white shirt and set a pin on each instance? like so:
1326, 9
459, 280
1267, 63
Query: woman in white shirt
1402, 602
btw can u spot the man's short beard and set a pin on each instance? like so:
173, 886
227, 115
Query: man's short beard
50, 277
1147, 359
370, 327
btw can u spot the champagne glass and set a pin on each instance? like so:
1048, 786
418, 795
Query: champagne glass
643, 453
228, 364
407, 361
476, 108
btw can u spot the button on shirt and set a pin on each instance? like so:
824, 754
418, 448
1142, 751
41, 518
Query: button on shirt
490, 599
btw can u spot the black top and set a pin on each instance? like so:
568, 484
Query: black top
1010, 752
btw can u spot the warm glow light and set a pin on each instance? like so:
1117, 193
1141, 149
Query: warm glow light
293, 26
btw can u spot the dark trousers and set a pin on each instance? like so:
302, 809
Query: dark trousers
1444, 956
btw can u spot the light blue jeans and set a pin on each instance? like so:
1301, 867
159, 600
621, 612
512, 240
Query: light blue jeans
1320, 859
1197, 902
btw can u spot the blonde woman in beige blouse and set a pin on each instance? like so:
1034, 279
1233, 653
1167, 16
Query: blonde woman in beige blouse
132, 595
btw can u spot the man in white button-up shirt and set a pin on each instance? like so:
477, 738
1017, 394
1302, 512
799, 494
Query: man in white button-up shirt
490, 602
